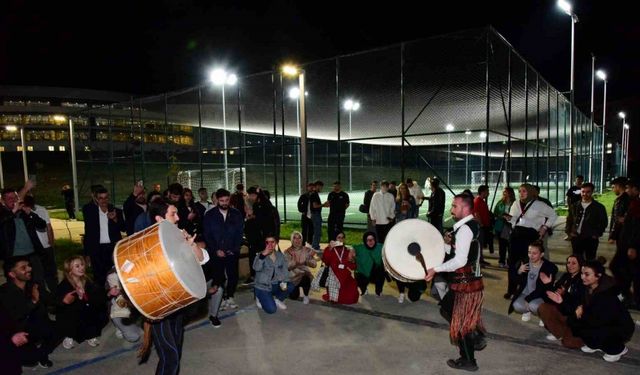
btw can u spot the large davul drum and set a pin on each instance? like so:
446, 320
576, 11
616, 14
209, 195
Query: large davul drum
158, 270
404, 241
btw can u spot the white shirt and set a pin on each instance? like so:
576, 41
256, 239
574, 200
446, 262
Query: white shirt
224, 213
104, 226
537, 215
43, 236
416, 193
382, 207
464, 236
206, 204
205, 255
584, 209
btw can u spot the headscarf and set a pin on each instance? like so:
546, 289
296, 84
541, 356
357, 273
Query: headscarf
364, 240
294, 233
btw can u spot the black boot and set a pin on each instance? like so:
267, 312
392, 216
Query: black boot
463, 364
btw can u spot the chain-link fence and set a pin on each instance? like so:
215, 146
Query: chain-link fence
464, 107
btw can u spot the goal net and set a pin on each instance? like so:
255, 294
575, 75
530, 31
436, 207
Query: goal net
212, 179
495, 177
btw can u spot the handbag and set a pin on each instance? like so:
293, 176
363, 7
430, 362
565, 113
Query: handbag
363, 209
505, 233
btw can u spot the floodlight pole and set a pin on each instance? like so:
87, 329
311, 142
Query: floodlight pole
24, 154
593, 78
74, 169
303, 131
604, 120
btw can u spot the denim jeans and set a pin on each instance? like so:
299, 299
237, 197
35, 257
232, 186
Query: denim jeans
266, 297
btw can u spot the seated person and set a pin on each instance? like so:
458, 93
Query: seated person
300, 259
21, 303
531, 289
601, 321
369, 264
120, 312
562, 300
272, 285
82, 310
341, 261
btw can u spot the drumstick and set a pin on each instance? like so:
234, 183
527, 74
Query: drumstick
420, 259
414, 249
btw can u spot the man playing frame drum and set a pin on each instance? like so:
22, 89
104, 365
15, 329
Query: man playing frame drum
462, 305
167, 334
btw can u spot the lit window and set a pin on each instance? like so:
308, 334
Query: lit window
231, 152
19, 148
52, 148
61, 148
29, 148
1, 148
86, 148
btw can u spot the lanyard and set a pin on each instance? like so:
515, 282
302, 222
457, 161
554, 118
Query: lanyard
526, 208
339, 255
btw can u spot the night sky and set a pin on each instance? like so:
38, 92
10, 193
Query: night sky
147, 47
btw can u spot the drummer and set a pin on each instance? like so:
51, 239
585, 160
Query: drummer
462, 305
168, 333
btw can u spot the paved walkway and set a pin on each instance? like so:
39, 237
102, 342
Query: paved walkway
375, 336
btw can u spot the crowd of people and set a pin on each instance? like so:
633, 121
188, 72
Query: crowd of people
581, 308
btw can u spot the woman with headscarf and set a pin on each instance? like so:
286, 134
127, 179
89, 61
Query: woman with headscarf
300, 258
530, 219
340, 258
369, 264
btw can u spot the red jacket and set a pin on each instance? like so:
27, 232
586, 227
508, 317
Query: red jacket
481, 211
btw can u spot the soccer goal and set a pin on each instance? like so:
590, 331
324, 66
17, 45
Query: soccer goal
212, 179
495, 177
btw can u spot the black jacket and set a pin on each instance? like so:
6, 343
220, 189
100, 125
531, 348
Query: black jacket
594, 223
573, 292
91, 242
131, 212
619, 210
18, 305
603, 315
32, 222
436, 203
547, 268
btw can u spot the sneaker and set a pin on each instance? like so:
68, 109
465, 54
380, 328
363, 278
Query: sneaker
224, 305
68, 343
503, 265
231, 304
566, 238
258, 303
365, 293
401, 298
280, 304
119, 334
463, 364
248, 281
305, 300
615, 357
93, 342
541, 324
215, 322
507, 296
526, 317
45, 363
551, 337
587, 349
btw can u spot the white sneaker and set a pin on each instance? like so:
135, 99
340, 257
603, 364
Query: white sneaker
551, 337
541, 324
305, 300
401, 298
231, 304
280, 304
119, 334
258, 303
526, 317
587, 349
68, 343
366, 292
224, 305
93, 342
615, 357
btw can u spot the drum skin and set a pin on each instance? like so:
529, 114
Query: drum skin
158, 271
396, 258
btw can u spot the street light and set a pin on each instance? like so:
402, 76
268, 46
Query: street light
294, 93
293, 71
351, 106
449, 128
219, 77
623, 149
568, 9
603, 76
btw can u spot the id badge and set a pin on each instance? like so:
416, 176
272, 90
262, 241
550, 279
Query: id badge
341, 266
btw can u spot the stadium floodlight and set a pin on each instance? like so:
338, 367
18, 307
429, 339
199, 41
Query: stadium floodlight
566, 7
483, 135
467, 132
622, 115
351, 105
290, 70
220, 77
449, 127
11, 128
602, 75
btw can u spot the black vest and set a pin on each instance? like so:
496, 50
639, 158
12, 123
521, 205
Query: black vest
474, 246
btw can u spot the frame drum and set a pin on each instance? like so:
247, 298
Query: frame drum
158, 270
403, 241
